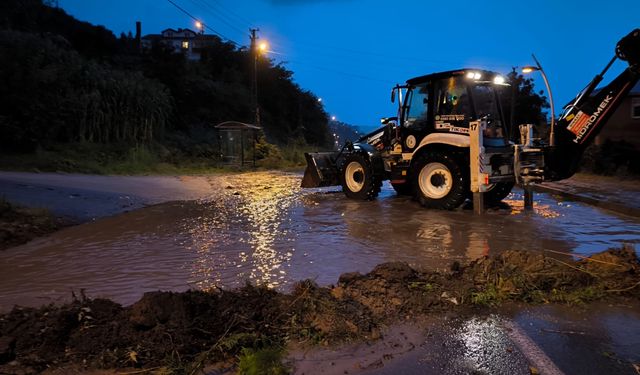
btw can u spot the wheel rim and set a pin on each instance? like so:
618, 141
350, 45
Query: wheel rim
354, 176
435, 180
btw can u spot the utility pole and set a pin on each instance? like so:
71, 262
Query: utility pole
254, 86
514, 92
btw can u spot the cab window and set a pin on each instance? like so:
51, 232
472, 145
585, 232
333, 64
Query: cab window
453, 104
418, 106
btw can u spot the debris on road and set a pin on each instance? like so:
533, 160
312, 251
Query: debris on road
182, 332
19, 225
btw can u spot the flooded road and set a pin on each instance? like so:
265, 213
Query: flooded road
261, 227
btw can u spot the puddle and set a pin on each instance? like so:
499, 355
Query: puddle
263, 228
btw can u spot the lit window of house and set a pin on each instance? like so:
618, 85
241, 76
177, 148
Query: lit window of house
635, 108
185, 44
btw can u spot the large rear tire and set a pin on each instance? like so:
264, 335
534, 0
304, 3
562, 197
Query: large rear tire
358, 178
439, 180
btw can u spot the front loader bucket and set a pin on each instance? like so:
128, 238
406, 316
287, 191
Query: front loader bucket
321, 170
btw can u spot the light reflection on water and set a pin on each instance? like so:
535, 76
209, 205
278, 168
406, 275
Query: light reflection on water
249, 222
262, 228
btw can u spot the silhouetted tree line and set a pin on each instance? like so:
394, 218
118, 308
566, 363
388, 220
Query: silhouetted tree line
64, 80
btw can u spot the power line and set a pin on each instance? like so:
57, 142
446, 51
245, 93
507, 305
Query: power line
359, 76
232, 13
203, 24
205, 6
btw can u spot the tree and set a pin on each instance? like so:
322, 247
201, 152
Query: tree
528, 105
65, 80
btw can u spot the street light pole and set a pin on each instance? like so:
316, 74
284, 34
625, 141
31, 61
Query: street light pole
514, 91
529, 69
256, 50
254, 86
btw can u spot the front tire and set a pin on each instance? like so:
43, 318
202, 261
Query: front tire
439, 180
358, 178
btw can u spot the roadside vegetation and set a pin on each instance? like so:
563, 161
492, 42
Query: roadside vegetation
152, 158
250, 329
76, 98
612, 158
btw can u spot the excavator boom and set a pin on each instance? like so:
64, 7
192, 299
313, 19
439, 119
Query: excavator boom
586, 115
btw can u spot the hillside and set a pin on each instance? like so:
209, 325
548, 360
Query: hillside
75, 89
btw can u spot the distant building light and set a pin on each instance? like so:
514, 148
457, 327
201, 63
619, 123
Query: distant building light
185, 44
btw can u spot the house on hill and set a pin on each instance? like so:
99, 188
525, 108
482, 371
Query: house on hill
186, 41
624, 124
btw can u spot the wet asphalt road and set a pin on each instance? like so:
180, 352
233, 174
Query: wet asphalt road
263, 228
597, 339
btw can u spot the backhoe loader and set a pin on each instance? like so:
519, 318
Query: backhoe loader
449, 139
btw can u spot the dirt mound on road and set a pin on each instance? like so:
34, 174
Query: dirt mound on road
181, 332
534, 277
19, 225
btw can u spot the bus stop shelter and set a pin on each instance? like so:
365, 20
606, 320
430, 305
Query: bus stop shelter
237, 142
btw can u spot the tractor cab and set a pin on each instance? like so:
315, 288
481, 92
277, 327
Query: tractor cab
447, 102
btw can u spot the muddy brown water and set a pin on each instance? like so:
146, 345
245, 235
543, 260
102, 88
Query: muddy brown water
262, 228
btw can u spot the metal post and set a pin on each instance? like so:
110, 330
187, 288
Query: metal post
241, 148
254, 51
254, 148
552, 141
479, 179
478, 202
514, 92
528, 197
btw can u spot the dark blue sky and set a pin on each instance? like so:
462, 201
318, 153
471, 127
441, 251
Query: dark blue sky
351, 52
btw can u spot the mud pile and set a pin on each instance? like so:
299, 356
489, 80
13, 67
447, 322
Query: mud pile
19, 225
534, 277
181, 332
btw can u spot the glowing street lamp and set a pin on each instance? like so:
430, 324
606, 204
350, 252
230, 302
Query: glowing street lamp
263, 46
538, 67
200, 27
333, 118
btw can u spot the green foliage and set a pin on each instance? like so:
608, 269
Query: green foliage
67, 82
266, 150
55, 96
36, 16
489, 297
577, 296
235, 342
529, 105
120, 158
421, 285
265, 361
612, 158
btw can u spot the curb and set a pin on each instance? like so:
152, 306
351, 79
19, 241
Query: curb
605, 205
